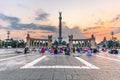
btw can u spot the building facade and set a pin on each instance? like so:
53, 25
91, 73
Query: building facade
34, 42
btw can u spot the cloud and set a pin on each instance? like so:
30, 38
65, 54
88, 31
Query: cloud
31, 32
4, 27
23, 6
33, 26
15, 25
99, 22
47, 29
46, 32
76, 32
116, 18
91, 28
42, 16
9, 19
43, 37
116, 30
66, 31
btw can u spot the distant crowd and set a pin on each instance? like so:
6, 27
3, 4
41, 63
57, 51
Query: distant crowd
69, 51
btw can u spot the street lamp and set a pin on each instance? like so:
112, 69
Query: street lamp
112, 33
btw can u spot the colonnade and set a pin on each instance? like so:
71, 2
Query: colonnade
89, 42
33, 42
80, 43
38, 43
84, 43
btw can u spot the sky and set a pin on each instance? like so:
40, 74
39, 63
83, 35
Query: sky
39, 18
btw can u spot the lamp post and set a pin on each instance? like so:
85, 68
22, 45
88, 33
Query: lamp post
112, 33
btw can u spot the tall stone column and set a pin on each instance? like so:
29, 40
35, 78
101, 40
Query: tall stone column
60, 28
28, 40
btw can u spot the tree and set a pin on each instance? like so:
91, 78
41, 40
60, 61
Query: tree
21, 43
0, 43
113, 44
116, 44
110, 44
64, 43
55, 42
14, 43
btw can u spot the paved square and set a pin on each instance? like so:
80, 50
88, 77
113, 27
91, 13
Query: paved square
33, 66
60, 61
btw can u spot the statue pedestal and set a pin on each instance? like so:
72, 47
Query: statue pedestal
60, 46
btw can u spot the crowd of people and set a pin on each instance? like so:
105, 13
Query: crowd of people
69, 51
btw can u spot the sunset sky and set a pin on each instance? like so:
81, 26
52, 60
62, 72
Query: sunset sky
79, 17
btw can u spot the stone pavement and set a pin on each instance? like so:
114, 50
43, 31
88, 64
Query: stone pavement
33, 66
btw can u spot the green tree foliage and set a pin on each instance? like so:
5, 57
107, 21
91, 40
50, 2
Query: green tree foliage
13, 43
0, 43
55, 42
64, 43
21, 44
110, 44
113, 44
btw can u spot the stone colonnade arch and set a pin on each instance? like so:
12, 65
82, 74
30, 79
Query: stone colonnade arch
33, 42
89, 42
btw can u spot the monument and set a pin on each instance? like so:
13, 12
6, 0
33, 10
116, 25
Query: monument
60, 29
33, 42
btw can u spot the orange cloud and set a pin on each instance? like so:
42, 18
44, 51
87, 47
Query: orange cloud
104, 29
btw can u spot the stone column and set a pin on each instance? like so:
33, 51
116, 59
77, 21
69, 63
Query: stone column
32, 43
35, 43
79, 43
89, 43
42, 44
92, 42
39, 43
49, 43
75, 43
60, 28
45, 43
82, 43
70, 43
28, 40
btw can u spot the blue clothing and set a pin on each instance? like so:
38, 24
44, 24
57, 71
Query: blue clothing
89, 53
67, 52
55, 52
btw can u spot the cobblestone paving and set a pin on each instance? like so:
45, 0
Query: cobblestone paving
10, 69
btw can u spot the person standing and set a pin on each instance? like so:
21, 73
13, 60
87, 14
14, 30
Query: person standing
51, 51
67, 51
42, 51
26, 50
55, 51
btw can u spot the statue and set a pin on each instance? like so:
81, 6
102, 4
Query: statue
92, 36
70, 36
50, 37
60, 13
